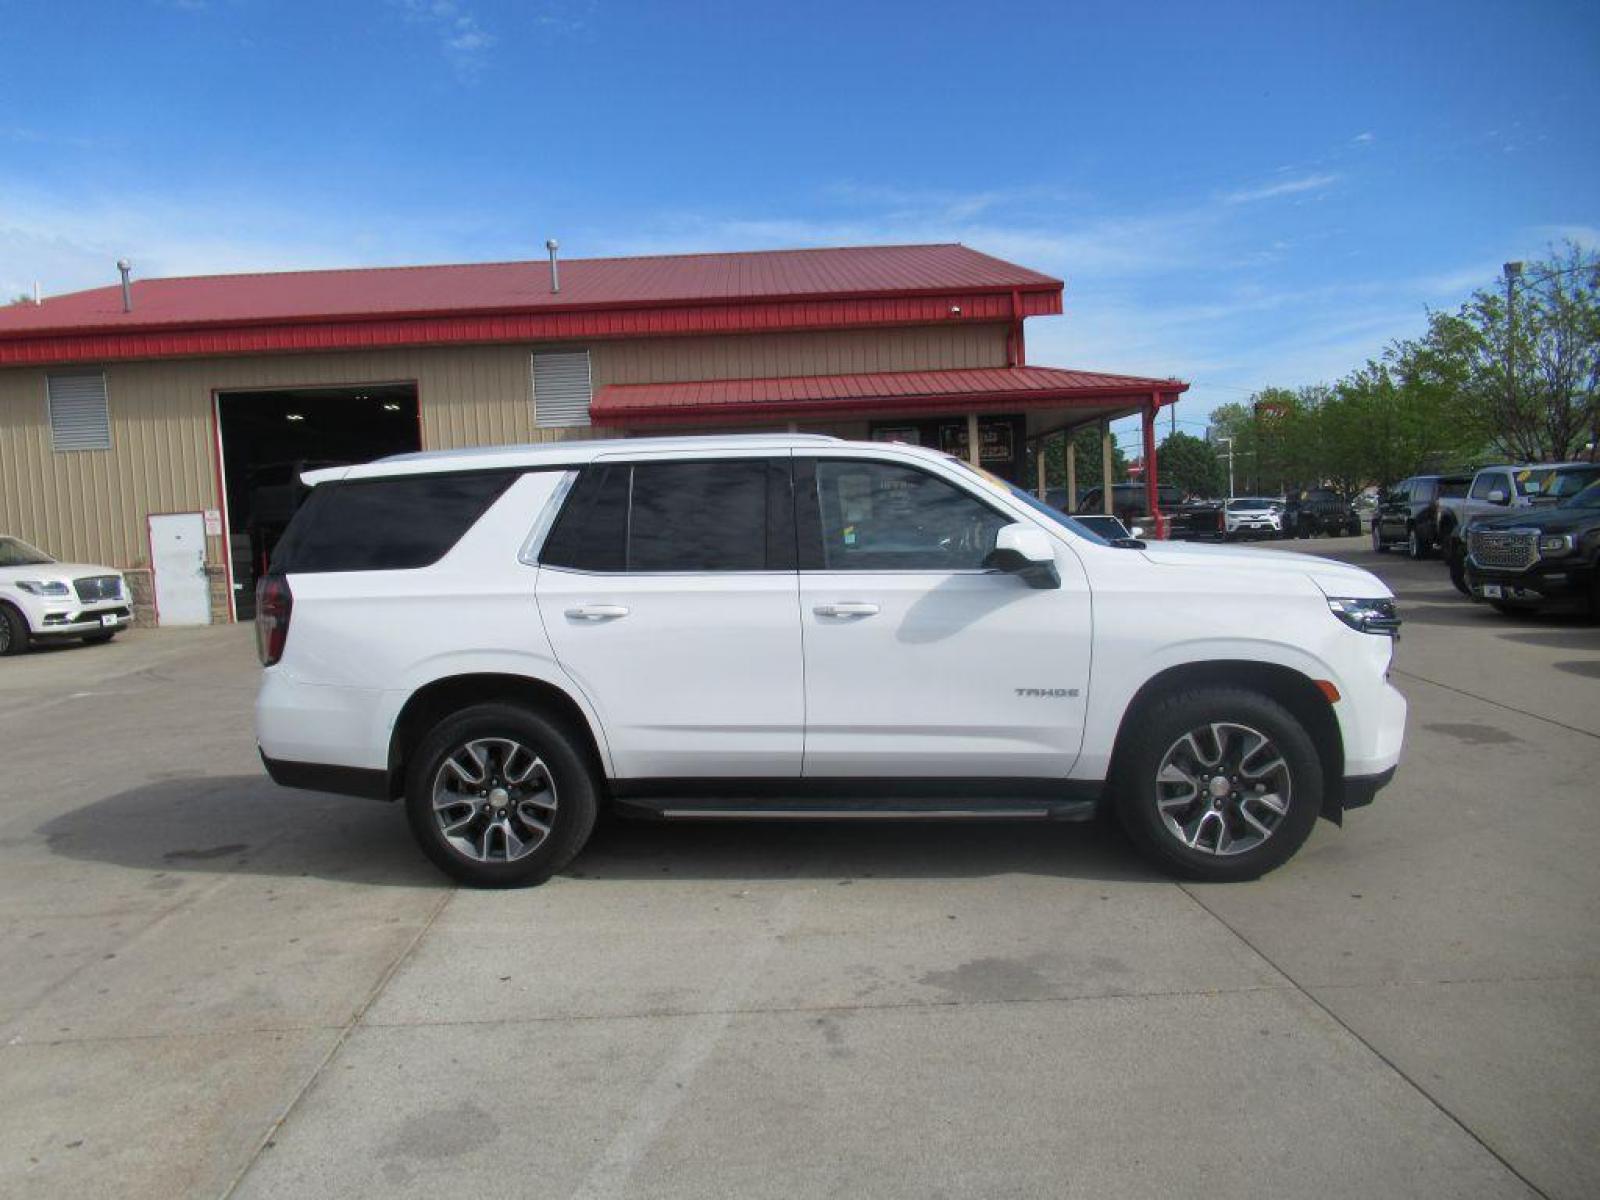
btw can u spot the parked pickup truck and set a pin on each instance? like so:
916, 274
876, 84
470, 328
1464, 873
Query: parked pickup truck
1498, 490
1541, 558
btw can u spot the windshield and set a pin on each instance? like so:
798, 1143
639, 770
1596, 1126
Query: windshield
1588, 498
14, 552
1241, 503
1563, 485
1054, 515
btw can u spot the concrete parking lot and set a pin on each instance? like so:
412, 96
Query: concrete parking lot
210, 986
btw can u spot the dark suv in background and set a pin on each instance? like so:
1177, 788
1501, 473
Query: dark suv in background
1320, 511
1408, 512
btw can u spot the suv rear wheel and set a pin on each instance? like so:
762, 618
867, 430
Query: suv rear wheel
1219, 784
1377, 538
1415, 547
499, 796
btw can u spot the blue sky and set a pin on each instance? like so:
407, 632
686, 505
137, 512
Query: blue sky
1239, 194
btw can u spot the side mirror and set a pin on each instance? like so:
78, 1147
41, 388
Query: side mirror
1498, 496
1025, 551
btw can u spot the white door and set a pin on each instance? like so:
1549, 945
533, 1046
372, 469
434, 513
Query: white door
178, 557
918, 661
660, 599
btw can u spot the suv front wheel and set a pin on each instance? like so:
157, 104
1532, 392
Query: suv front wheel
500, 796
1219, 784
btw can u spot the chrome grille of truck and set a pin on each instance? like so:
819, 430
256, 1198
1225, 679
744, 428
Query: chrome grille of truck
97, 588
1504, 550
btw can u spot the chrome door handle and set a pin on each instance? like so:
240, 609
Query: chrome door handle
597, 612
849, 608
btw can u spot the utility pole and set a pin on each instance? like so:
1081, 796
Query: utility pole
1513, 272
1230, 464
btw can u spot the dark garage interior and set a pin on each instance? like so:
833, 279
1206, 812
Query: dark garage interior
270, 437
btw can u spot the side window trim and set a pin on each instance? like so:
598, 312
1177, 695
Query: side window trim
528, 556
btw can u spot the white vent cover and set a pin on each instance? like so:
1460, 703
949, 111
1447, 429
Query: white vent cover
79, 419
561, 390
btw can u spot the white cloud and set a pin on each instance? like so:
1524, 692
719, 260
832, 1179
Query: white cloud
1364, 138
465, 42
1289, 187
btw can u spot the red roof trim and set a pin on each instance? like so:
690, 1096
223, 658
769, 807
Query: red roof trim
577, 323
984, 389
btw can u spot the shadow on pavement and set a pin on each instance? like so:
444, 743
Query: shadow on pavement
247, 825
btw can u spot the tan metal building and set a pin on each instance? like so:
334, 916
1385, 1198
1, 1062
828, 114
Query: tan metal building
160, 426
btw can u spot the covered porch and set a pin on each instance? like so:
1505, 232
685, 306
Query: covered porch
995, 417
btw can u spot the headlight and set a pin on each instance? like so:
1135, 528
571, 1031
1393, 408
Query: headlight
1555, 543
1366, 616
51, 587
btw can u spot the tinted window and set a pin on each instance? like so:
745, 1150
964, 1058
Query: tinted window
699, 516
676, 516
1563, 484
1452, 489
591, 532
881, 517
385, 524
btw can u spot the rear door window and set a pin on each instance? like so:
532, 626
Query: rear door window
677, 517
393, 524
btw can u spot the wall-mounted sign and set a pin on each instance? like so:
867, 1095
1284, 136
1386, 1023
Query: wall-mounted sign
213, 522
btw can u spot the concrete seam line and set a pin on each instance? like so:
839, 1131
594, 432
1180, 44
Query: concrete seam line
376, 990
1508, 707
1373, 1050
666, 1091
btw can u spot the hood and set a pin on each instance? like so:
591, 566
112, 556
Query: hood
1555, 518
66, 572
1333, 577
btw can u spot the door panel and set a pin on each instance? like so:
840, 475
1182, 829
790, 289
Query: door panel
918, 661
178, 559
691, 675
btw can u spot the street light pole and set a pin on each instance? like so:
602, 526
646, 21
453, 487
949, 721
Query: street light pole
1513, 272
1230, 464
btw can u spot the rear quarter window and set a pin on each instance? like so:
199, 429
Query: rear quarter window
386, 524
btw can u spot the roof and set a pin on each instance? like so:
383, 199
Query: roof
974, 389
419, 305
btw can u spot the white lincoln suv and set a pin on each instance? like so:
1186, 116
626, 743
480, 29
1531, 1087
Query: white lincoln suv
510, 639
44, 600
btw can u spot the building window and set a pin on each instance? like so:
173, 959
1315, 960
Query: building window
561, 389
79, 419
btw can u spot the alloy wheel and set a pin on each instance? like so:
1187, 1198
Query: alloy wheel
1223, 789
494, 800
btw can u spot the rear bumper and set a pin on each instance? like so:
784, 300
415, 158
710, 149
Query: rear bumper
320, 777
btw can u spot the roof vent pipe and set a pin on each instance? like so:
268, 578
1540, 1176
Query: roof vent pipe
38, 298
125, 266
555, 268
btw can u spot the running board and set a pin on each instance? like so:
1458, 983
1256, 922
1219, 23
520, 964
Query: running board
777, 809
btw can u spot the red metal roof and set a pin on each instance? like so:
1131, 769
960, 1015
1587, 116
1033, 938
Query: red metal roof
844, 395
294, 298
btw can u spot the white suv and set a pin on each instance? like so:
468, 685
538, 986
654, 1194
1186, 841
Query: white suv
800, 627
43, 600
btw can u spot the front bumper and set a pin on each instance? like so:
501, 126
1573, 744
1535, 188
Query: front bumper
72, 621
1549, 583
1263, 527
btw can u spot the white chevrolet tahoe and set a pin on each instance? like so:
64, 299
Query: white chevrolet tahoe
800, 627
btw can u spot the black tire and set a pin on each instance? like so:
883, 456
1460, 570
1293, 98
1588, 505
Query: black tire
13, 631
1458, 569
1377, 539
1354, 528
567, 763
1159, 727
98, 639
1416, 548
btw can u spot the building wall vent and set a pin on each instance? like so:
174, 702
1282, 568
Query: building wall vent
79, 418
561, 389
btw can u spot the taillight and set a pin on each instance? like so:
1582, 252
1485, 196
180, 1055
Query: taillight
274, 604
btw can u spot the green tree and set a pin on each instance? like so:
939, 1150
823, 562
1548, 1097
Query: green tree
1188, 463
1530, 370
1087, 441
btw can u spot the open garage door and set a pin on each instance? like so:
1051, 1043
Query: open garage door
270, 437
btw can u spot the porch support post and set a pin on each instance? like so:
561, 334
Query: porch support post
974, 450
1069, 446
1105, 468
1150, 492
1038, 467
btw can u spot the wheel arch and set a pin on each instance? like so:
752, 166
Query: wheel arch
437, 699
1294, 690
